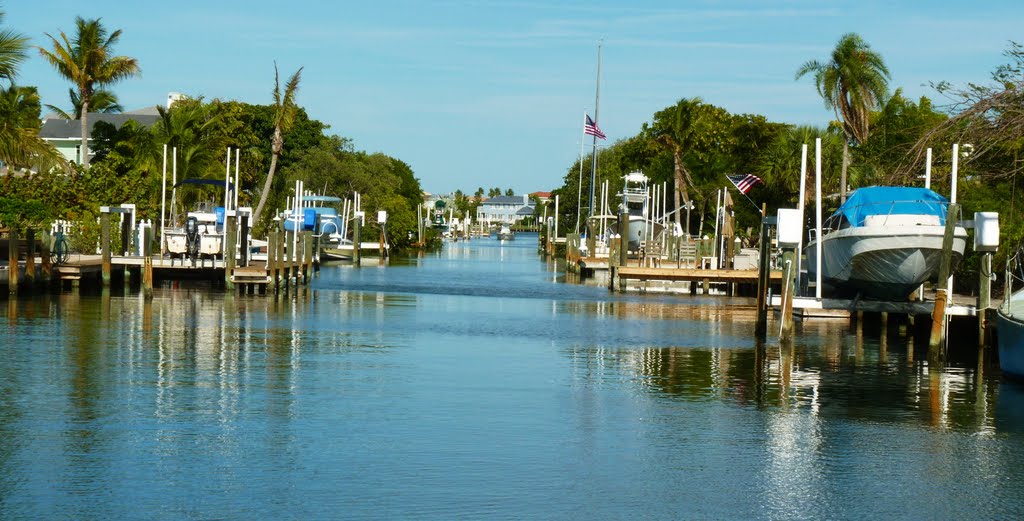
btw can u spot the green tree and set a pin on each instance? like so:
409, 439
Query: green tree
284, 117
87, 61
12, 51
510, 192
103, 101
20, 144
494, 192
693, 132
852, 83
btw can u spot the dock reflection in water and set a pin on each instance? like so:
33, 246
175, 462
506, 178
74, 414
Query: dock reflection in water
476, 383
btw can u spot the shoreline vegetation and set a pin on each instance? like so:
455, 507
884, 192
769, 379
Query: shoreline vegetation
878, 137
279, 143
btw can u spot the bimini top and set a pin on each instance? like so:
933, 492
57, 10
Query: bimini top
892, 200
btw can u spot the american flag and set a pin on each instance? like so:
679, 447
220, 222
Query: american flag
744, 182
590, 128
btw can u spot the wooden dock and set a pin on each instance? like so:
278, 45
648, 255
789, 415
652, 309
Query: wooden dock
622, 275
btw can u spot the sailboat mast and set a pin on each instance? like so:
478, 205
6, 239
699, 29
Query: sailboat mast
597, 109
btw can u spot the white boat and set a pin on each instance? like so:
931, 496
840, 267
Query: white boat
200, 235
883, 243
636, 197
505, 233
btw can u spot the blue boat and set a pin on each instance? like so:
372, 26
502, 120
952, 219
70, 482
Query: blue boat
1010, 322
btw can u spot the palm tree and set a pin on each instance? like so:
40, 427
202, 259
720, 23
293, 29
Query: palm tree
852, 83
12, 51
689, 128
20, 144
103, 101
87, 61
284, 117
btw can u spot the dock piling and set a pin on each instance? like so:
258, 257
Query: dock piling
938, 334
30, 258
230, 249
12, 260
105, 245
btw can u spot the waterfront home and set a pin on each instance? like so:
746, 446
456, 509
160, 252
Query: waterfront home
504, 209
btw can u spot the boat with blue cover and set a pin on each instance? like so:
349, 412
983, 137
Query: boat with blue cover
883, 243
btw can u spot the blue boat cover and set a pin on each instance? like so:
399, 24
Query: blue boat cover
892, 200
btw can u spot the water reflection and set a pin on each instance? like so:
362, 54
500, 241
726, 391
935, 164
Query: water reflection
470, 385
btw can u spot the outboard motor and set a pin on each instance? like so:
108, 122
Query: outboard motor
192, 237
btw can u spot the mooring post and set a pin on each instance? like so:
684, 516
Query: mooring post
272, 258
12, 259
623, 235
764, 264
938, 335
307, 256
44, 256
357, 233
105, 244
30, 258
789, 262
147, 262
230, 248
984, 296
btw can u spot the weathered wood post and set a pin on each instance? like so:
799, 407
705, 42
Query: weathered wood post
30, 258
272, 258
984, 296
105, 245
44, 255
230, 248
357, 236
282, 261
764, 265
307, 240
244, 234
147, 261
623, 235
12, 260
938, 334
788, 287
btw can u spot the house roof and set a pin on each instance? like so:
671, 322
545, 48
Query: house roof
59, 128
526, 210
505, 199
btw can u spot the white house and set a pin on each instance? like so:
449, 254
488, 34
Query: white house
504, 209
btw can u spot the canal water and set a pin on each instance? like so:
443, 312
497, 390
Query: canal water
476, 383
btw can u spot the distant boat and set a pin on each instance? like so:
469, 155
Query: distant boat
636, 196
884, 242
1010, 322
319, 216
505, 233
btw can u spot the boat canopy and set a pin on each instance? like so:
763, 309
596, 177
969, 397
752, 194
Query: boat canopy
321, 199
892, 200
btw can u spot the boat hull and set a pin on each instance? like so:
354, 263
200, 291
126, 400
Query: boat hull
1010, 333
886, 263
638, 230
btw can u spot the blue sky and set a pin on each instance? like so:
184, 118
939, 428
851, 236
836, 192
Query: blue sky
476, 93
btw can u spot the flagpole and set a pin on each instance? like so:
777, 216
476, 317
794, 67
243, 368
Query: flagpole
579, 191
743, 194
597, 108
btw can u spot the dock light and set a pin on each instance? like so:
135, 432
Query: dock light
986, 231
789, 223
